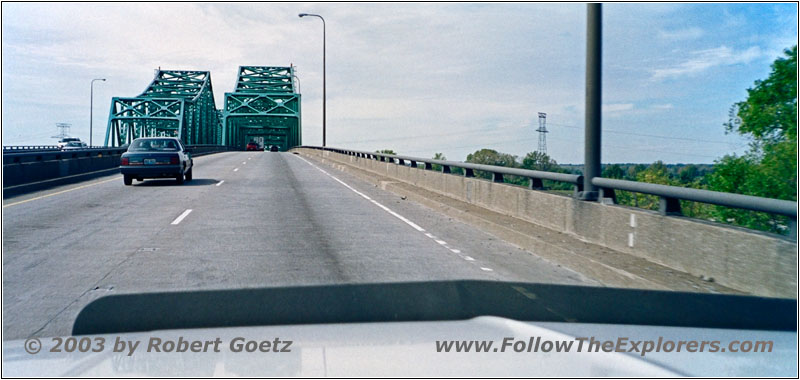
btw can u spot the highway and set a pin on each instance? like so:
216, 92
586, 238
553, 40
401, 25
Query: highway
248, 219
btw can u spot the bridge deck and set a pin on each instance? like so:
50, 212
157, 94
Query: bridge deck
278, 220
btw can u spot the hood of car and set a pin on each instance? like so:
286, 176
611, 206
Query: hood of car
397, 349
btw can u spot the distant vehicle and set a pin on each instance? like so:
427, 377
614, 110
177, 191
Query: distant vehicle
66, 140
252, 146
273, 148
74, 145
156, 157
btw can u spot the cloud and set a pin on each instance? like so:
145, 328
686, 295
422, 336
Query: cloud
681, 34
619, 107
667, 106
703, 60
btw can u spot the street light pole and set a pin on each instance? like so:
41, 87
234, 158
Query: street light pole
324, 119
91, 104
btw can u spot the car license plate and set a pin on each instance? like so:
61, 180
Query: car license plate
149, 161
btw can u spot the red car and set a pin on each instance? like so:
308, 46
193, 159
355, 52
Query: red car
252, 146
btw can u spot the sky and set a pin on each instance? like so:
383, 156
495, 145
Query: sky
417, 78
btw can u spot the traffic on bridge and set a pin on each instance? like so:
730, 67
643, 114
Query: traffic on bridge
198, 241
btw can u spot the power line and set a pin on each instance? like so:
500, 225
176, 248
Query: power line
649, 135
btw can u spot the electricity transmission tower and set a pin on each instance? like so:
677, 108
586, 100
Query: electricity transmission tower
63, 130
542, 133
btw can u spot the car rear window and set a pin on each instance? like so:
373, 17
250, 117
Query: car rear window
154, 145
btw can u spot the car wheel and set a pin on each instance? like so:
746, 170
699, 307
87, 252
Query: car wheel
189, 175
127, 180
179, 179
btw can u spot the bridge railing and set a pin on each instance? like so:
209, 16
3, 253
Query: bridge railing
29, 148
669, 195
34, 156
535, 177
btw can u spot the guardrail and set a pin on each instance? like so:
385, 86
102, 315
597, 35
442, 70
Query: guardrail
22, 157
535, 177
29, 148
26, 170
670, 195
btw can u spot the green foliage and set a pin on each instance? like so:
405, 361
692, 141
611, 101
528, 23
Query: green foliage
441, 157
770, 112
539, 161
491, 157
613, 171
769, 168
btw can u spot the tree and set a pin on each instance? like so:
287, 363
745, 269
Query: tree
770, 112
491, 157
613, 171
769, 169
538, 161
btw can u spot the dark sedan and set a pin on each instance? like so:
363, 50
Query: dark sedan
156, 157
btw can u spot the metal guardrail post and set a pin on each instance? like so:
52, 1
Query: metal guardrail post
669, 206
593, 129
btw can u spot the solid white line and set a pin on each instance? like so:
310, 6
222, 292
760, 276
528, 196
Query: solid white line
236, 170
179, 218
220, 182
410, 223
396, 215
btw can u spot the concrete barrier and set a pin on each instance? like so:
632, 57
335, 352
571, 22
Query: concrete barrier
750, 261
25, 172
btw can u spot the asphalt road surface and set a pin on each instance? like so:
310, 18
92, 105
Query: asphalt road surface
257, 219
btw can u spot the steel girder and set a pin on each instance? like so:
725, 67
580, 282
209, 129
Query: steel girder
176, 104
265, 107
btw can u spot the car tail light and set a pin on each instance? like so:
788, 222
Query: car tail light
125, 161
173, 160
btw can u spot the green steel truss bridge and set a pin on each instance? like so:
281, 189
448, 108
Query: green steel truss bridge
264, 108
175, 104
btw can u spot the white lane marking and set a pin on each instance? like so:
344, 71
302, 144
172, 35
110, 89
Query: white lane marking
220, 182
61, 192
396, 215
236, 170
410, 223
180, 218
244, 162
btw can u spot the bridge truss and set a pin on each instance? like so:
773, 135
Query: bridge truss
264, 108
175, 104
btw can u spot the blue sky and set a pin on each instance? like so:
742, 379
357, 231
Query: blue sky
417, 78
